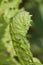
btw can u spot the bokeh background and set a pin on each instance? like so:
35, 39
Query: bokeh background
35, 33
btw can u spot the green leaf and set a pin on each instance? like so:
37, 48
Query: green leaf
7, 7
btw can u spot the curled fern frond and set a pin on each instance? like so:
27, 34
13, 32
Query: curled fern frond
21, 23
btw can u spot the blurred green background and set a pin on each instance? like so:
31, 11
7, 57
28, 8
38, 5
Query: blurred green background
35, 33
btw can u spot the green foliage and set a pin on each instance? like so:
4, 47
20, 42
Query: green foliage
14, 24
